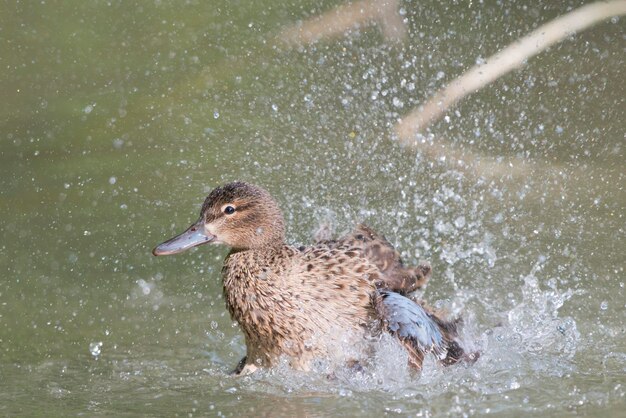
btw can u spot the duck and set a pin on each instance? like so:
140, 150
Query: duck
310, 302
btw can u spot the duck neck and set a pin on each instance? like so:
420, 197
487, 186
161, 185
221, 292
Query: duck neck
258, 253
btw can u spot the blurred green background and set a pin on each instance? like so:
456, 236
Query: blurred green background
117, 118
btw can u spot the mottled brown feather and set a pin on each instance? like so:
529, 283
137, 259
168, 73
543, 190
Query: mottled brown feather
379, 251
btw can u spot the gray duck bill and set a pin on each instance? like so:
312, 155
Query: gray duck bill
194, 235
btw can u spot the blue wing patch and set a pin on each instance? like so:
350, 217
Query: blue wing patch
410, 323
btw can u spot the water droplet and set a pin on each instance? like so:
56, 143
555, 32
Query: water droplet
346, 393
118, 143
95, 349
146, 287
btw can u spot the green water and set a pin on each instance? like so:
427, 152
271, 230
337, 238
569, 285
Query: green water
117, 118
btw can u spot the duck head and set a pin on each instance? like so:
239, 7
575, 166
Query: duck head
239, 215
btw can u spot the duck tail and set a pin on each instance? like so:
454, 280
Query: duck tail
455, 351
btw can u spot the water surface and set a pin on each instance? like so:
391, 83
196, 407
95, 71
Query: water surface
118, 118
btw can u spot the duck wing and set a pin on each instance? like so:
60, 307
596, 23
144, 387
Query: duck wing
418, 330
379, 251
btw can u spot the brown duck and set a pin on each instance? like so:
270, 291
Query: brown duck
308, 302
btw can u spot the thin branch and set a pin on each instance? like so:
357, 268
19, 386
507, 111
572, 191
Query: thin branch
346, 17
513, 56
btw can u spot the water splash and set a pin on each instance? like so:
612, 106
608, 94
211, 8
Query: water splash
532, 339
536, 323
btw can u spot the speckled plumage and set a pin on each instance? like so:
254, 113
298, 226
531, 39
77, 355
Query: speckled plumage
308, 302
378, 251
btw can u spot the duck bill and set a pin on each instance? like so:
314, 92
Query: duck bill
194, 235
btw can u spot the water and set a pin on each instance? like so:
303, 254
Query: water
117, 119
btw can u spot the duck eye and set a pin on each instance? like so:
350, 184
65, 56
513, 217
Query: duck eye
229, 210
